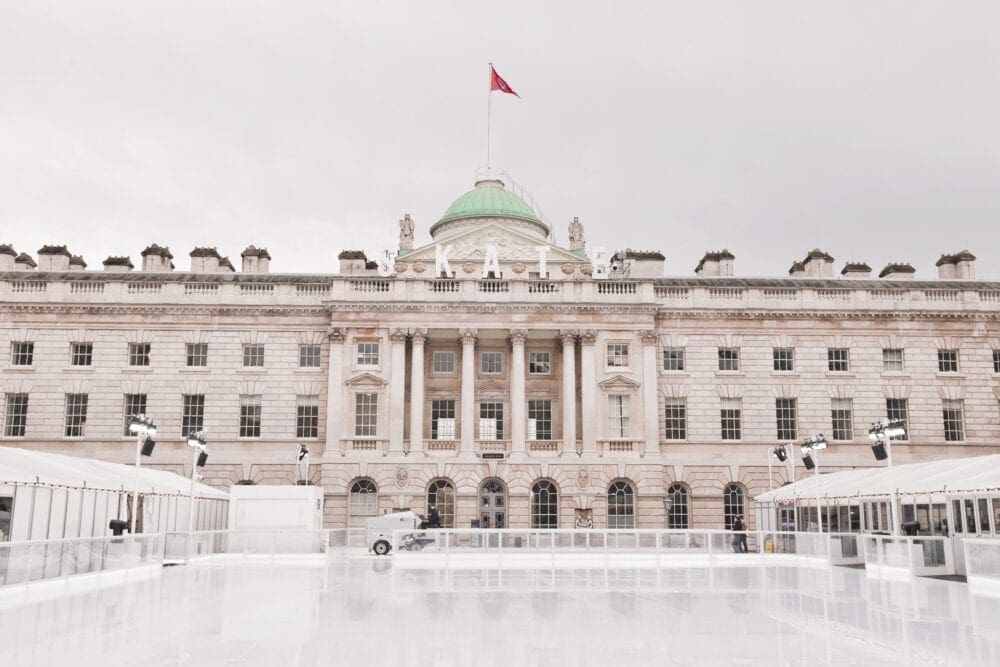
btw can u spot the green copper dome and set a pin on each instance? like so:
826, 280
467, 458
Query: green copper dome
489, 199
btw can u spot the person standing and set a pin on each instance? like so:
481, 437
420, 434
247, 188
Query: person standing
740, 539
433, 517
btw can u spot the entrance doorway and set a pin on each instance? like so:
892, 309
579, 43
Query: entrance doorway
492, 504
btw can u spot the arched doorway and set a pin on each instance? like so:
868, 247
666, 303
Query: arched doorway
441, 493
492, 504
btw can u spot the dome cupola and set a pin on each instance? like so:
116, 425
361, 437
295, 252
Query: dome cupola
489, 199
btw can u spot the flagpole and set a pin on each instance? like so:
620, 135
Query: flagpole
489, 121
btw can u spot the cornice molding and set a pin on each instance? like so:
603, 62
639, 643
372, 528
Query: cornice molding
147, 309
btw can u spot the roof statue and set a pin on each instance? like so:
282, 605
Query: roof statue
576, 235
406, 233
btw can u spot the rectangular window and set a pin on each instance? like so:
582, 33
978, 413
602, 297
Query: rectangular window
22, 353
310, 356
842, 414
784, 359
539, 363
250, 415
135, 405
729, 358
76, 415
954, 422
732, 418
253, 355
673, 358
892, 360
618, 416
81, 354
617, 355
996, 361
367, 354
539, 419
896, 408
138, 354
491, 420
838, 359
784, 409
491, 361
365, 415
676, 419
443, 419
443, 361
15, 423
307, 416
196, 354
193, 414
947, 361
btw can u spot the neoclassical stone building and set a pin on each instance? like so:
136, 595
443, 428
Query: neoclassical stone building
510, 379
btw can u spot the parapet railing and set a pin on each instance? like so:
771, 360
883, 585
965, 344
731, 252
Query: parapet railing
893, 555
181, 547
38, 560
982, 565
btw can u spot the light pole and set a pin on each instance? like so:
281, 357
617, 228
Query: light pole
196, 441
144, 430
810, 447
881, 434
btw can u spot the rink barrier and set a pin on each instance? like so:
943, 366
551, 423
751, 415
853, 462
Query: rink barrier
899, 557
246, 544
982, 565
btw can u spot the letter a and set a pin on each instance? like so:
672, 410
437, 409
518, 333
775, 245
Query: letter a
491, 263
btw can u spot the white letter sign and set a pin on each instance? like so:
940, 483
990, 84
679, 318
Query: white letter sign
441, 261
543, 270
491, 263
600, 260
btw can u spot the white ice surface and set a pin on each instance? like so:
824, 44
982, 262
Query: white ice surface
363, 610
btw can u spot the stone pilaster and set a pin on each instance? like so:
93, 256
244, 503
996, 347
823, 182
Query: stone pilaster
468, 339
397, 388
518, 403
335, 391
588, 389
568, 339
651, 421
417, 338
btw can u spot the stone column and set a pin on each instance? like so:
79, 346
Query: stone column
650, 393
468, 338
397, 388
416, 442
518, 404
335, 390
568, 339
588, 390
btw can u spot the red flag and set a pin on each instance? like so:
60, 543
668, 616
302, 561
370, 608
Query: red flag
497, 83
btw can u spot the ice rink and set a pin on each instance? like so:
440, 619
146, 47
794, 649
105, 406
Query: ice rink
363, 610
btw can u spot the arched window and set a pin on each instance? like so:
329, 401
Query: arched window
677, 502
492, 504
733, 504
621, 505
544, 505
441, 493
363, 503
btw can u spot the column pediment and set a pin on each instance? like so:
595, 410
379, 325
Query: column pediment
366, 380
511, 245
618, 382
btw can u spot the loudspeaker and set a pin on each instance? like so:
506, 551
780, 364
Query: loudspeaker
808, 461
878, 449
202, 459
147, 447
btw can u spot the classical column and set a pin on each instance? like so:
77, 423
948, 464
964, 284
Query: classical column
588, 390
417, 337
397, 388
568, 339
650, 392
335, 389
518, 404
468, 338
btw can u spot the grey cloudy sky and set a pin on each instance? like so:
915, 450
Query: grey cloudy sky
869, 129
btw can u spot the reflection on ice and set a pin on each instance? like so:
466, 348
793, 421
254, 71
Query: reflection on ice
361, 610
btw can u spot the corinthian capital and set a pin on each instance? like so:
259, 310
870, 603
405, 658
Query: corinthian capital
468, 336
518, 336
397, 335
588, 337
649, 337
568, 337
418, 335
336, 335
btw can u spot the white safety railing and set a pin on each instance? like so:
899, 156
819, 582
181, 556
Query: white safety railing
38, 560
982, 565
348, 538
271, 544
892, 556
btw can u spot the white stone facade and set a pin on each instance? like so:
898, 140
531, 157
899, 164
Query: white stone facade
591, 412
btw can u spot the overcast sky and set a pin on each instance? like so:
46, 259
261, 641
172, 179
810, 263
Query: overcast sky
869, 129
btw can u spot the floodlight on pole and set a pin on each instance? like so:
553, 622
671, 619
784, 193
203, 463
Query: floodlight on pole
810, 447
881, 433
196, 441
144, 429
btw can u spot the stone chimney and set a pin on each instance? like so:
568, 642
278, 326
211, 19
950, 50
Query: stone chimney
226, 266
118, 264
798, 270
7, 256
156, 259
24, 263
897, 272
76, 263
637, 264
353, 262
715, 264
53, 258
856, 270
256, 260
205, 260
960, 266
818, 264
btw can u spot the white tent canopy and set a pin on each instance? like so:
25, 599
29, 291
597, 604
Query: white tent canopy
951, 476
23, 466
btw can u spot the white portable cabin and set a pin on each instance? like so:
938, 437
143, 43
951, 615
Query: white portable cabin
51, 496
270, 508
